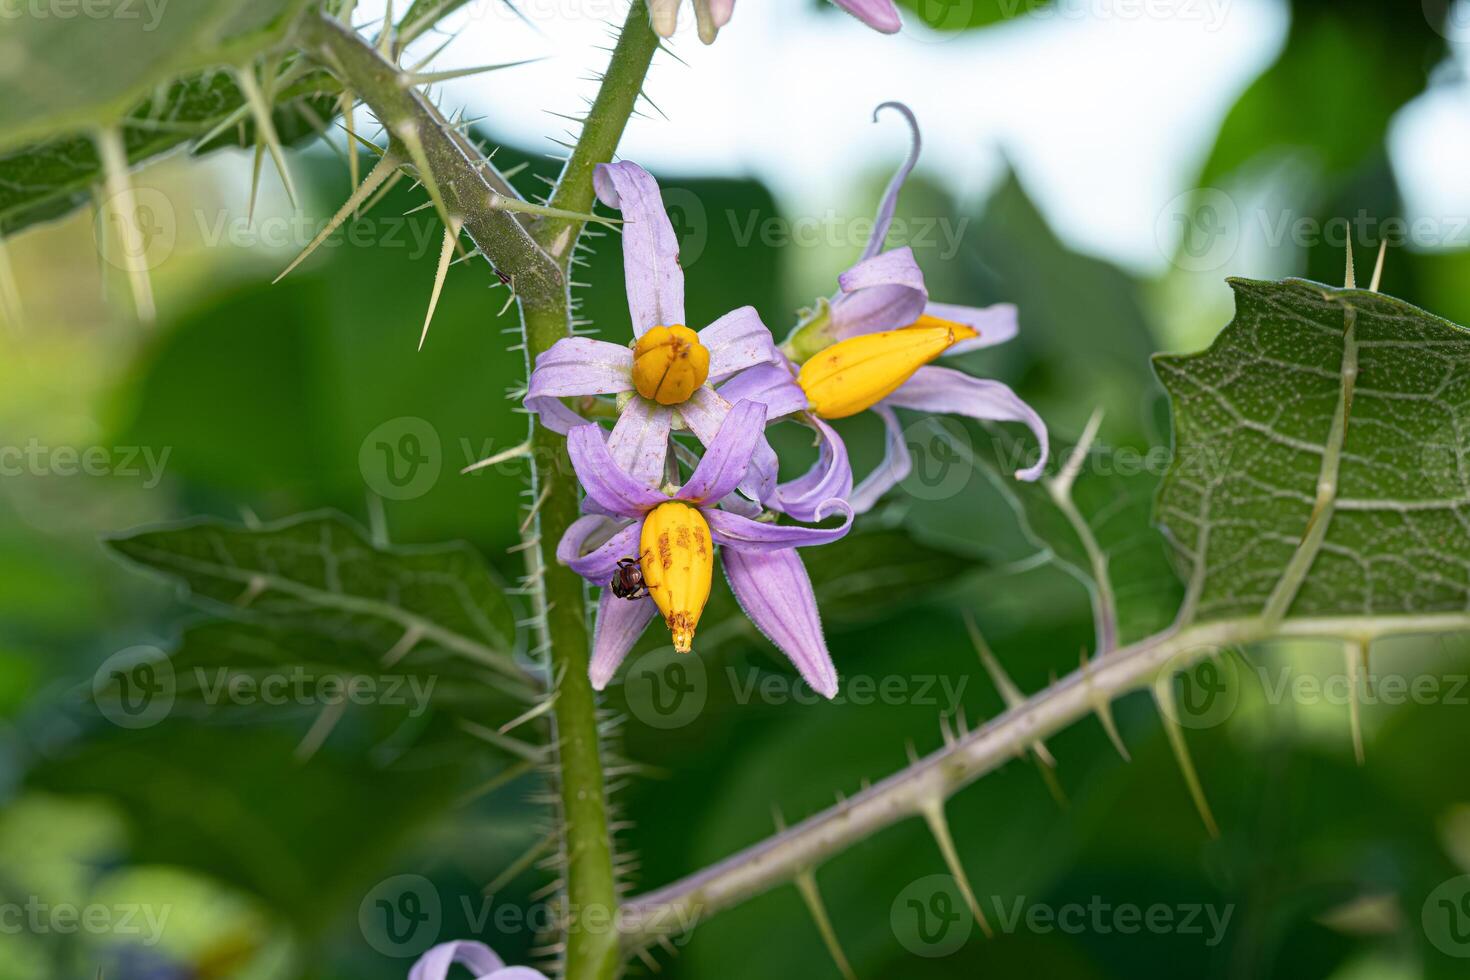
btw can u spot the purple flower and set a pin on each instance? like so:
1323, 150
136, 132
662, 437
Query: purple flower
670, 373
476, 957
672, 536
871, 346
711, 15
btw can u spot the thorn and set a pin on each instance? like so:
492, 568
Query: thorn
1009, 692
1103, 708
411, 78
451, 235
514, 869
514, 452
806, 883
375, 177
235, 116
1164, 697
382, 191
377, 521
1356, 654
1349, 280
320, 730
385, 39
265, 127
254, 183
124, 207
1378, 266
535, 712
502, 203
933, 812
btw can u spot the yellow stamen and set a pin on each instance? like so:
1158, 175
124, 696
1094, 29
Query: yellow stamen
855, 374
678, 561
669, 364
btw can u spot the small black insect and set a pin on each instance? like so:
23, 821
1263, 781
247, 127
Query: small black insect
627, 581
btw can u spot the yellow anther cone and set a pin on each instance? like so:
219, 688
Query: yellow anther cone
854, 375
669, 364
678, 560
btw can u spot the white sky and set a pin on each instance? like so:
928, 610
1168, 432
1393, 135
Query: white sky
1107, 107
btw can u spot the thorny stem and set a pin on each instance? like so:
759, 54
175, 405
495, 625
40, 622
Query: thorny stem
933, 779
468, 188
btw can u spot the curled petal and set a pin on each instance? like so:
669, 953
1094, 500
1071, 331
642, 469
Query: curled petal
776, 593
640, 440
655, 283
895, 466
727, 457
829, 477
886, 206
742, 534
884, 292
598, 565
945, 390
607, 484
704, 413
619, 624
435, 964
712, 15
736, 341
773, 385
880, 15
994, 324
573, 367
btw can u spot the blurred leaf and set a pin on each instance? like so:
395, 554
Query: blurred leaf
1347, 67
66, 74
870, 573
320, 573
961, 15
1253, 419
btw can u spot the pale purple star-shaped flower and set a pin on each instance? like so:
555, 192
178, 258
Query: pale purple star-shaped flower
479, 959
581, 366
885, 290
760, 559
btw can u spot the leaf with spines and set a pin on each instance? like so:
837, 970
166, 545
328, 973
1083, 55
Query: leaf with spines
320, 573
1320, 464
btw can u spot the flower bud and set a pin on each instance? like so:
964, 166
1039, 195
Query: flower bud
669, 364
855, 374
678, 560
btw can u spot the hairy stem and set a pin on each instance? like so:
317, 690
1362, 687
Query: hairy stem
913, 791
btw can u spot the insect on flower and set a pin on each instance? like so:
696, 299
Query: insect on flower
627, 582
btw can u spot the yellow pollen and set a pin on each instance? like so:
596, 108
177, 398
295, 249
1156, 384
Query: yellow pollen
855, 374
678, 561
669, 364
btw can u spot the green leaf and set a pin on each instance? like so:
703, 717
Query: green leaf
68, 74
46, 180
321, 574
1320, 457
869, 574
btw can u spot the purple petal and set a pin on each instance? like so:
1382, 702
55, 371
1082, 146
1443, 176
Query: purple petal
895, 466
770, 384
704, 413
573, 367
598, 566
945, 390
736, 341
478, 958
996, 324
880, 15
640, 440
613, 489
885, 292
655, 283
516, 973
619, 624
829, 477
776, 593
727, 457
743, 534
886, 206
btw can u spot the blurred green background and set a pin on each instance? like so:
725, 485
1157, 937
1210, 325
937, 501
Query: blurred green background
258, 841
